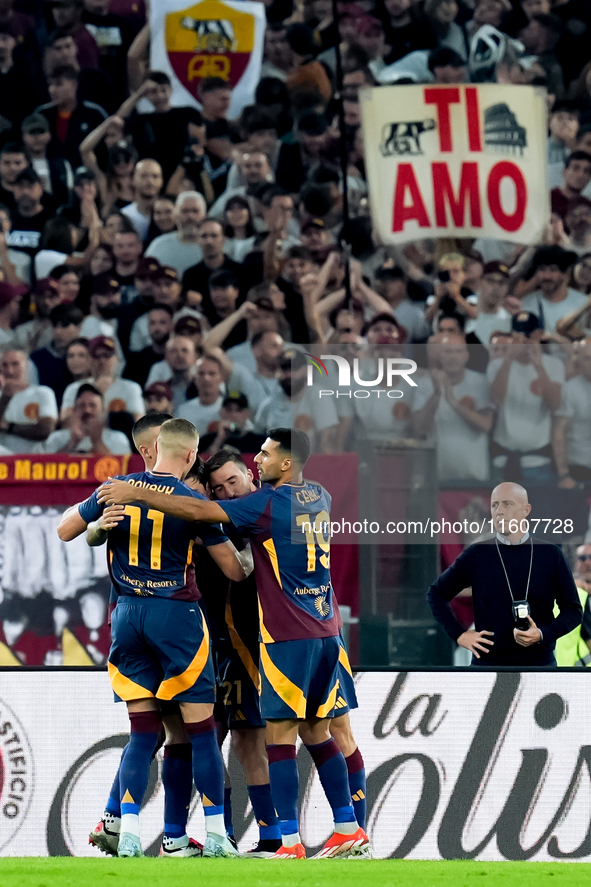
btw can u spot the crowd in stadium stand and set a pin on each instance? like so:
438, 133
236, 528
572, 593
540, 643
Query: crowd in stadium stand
170, 259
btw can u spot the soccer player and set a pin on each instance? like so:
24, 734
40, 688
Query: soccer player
177, 769
160, 642
300, 646
233, 619
228, 478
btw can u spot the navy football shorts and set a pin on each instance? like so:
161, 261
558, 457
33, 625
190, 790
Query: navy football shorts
346, 698
238, 683
301, 679
160, 648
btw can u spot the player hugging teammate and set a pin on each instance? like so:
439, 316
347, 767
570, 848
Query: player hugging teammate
173, 555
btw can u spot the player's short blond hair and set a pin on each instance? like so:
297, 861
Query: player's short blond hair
177, 436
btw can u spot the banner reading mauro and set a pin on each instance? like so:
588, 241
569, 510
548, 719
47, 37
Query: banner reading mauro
191, 41
461, 161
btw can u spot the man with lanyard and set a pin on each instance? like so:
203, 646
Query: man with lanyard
516, 582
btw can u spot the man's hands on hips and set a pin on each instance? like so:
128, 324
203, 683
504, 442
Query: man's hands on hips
475, 641
533, 635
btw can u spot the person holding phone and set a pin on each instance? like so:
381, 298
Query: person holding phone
451, 294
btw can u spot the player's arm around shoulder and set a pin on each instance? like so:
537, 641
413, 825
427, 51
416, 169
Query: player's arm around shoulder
97, 531
71, 525
190, 508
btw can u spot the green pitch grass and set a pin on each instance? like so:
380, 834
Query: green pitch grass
66, 872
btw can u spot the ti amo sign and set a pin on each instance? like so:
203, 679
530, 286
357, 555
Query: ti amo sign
460, 161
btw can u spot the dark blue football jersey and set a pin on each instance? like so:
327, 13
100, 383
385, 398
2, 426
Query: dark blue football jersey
150, 553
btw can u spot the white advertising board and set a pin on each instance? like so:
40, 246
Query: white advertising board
460, 765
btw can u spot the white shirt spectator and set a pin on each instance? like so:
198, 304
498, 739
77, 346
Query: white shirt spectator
122, 396
116, 441
169, 250
237, 250
243, 354
278, 411
200, 415
412, 319
524, 422
462, 450
26, 408
485, 325
576, 407
46, 260
140, 222
256, 387
550, 313
140, 335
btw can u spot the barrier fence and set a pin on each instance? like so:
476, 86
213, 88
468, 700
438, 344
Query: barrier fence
460, 765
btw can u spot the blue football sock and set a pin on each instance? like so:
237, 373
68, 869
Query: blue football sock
228, 811
283, 773
332, 771
357, 785
264, 811
177, 779
135, 764
114, 803
208, 766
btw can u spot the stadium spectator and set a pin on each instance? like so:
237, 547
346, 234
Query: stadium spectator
571, 438
554, 299
211, 241
10, 298
233, 429
69, 119
390, 283
453, 403
525, 387
178, 368
147, 183
160, 325
181, 248
52, 368
577, 175
292, 405
30, 216
204, 409
158, 398
87, 431
28, 413
491, 315
119, 395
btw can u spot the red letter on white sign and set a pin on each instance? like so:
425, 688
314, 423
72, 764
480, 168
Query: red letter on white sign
507, 170
405, 179
443, 98
443, 193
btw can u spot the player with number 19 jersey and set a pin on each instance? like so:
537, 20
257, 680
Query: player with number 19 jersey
288, 527
300, 649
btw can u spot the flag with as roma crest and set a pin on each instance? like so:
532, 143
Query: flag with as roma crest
214, 38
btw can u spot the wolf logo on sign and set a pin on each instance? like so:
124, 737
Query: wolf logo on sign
209, 39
